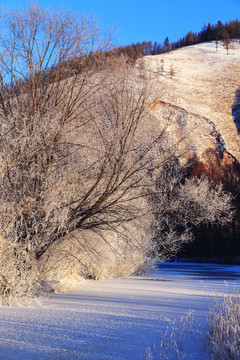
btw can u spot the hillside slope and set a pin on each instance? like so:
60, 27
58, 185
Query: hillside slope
201, 96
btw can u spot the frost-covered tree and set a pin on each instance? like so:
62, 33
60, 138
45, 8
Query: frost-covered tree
80, 154
180, 203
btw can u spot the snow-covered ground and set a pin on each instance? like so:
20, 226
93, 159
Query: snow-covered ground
120, 319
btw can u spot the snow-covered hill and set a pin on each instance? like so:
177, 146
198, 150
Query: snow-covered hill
200, 85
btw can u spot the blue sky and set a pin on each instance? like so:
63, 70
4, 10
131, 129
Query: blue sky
149, 19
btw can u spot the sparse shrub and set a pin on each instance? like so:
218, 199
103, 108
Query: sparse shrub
172, 71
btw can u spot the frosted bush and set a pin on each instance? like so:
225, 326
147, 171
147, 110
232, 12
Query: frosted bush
19, 276
96, 256
224, 329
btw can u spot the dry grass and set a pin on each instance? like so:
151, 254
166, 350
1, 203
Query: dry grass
174, 341
224, 329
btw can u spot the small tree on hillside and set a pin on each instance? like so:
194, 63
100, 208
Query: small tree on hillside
160, 69
226, 41
217, 41
166, 44
189, 38
219, 30
172, 71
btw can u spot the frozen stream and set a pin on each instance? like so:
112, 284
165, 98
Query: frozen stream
119, 319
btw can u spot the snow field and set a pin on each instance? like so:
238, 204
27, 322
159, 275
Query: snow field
120, 319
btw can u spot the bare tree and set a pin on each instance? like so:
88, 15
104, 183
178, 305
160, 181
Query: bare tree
75, 153
44, 59
80, 153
